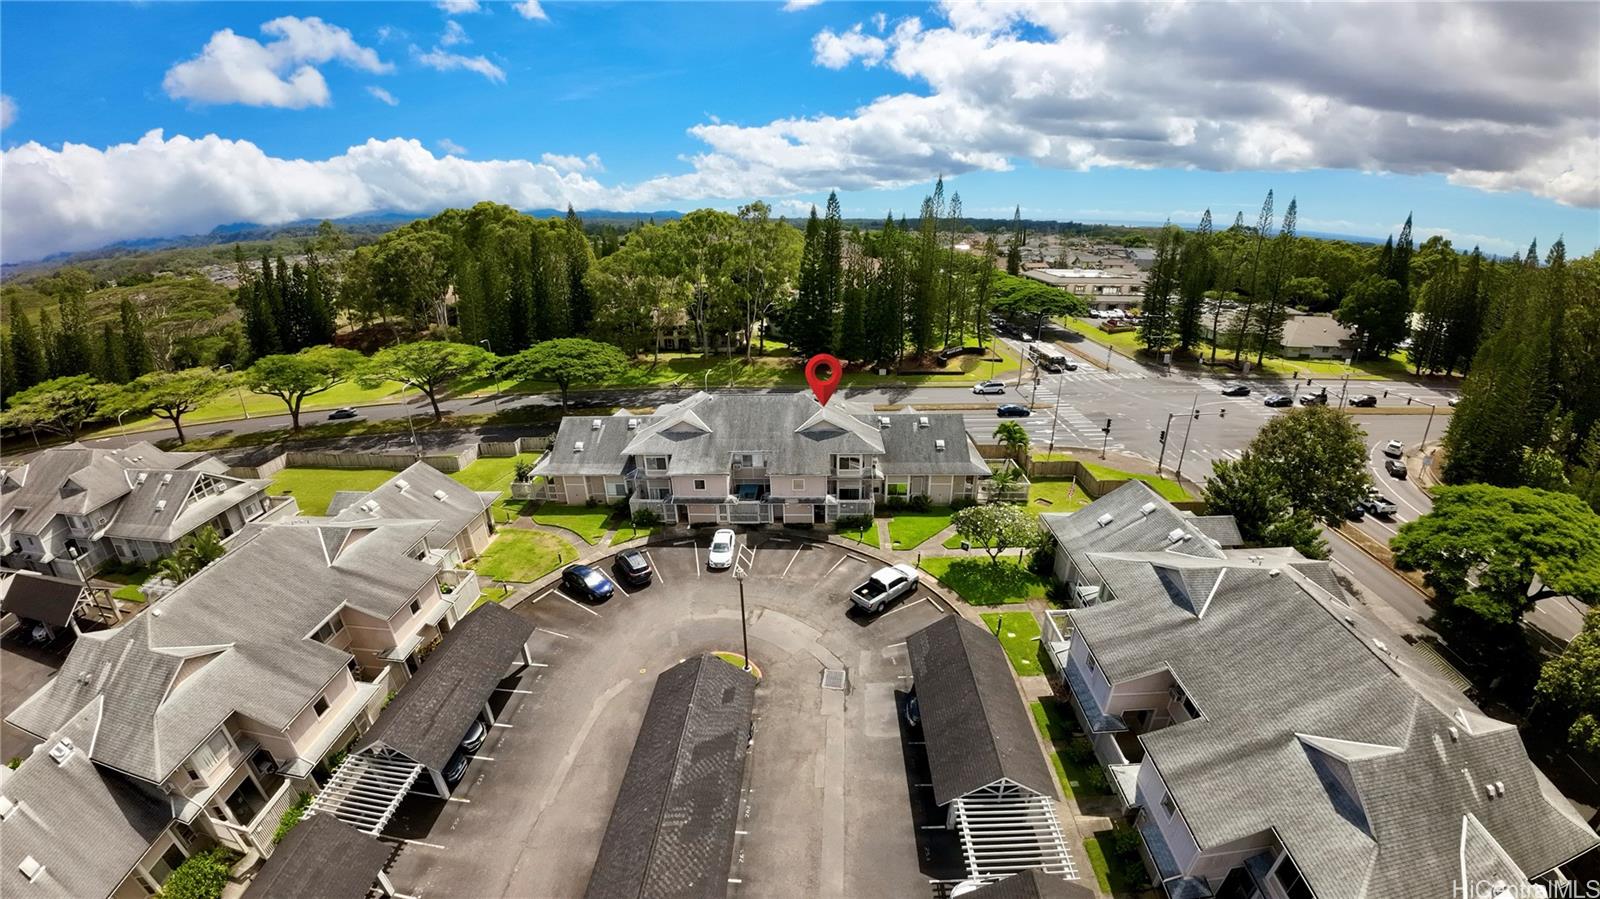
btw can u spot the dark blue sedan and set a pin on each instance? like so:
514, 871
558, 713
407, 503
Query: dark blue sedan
587, 583
1012, 410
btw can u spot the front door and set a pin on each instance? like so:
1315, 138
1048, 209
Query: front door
246, 802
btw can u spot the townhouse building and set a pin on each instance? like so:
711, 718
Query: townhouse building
71, 510
200, 720
761, 459
1268, 740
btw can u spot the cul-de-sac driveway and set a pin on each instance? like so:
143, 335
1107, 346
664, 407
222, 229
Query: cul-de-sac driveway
835, 802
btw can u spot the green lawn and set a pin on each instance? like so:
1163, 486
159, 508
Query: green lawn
1070, 753
521, 556
628, 532
1125, 341
985, 583
491, 593
1167, 487
226, 407
1018, 633
313, 488
908, 529
1054, 495
493, 473
588, 523
131, 578
1116, 873
868, 537
1393, 366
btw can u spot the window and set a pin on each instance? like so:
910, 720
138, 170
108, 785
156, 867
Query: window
849, 492
900, 488
162, 868
699, 484
320, 707
655, 463
416, 606
211, 754
849, 463
617, 489
1290, 880
330, 628
744, 460
1167, 805
798, 485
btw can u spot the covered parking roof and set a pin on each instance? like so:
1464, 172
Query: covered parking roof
48, 600
976, 729
426, 720
671, 832
1033, 884
322, 857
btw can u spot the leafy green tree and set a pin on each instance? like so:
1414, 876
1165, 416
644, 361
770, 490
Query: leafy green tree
1569, 687
60, 405
1318, 457
135, 345
997, 527
568, 361
193, 553
430, 366
28, 363
173, 394
1013, 437
1496, 551
1378, 309
291, 377
635, 302
1250, 491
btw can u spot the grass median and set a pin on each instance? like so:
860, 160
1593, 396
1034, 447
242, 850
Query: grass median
985, 583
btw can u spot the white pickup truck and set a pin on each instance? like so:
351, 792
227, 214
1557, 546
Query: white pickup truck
1379, 505
884, 587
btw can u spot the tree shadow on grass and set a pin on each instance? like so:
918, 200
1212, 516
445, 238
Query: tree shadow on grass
985, 583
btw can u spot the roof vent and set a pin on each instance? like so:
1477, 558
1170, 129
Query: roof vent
6, 807
1104, 520
922, 421
1499, 788
31, 868
402, 484
166, 478
1273, 572
594, 424
1147, 508
440, 495
884, 421
1488, 790
161, 505
938, 446
1455, 735
156, 612
62, 750
1175, 535
143, 476
633, 424
578, 447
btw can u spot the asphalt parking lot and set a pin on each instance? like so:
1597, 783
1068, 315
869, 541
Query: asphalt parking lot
835, 802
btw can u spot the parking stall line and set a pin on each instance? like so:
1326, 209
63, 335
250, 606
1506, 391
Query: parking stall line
696, 559
481, 758
415, 842
656, 568
555, 633
902, 608
580, 605
796, 555
516, 690
618, 585
836, 564
457, 799
541, 596
502, 724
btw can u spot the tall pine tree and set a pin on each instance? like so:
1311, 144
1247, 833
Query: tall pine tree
136, 353
1195, 273
29, 365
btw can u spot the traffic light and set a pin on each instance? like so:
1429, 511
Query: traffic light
1223, 412
1386, 394
1197, 414
1107, 428
1163, 436
1408, 401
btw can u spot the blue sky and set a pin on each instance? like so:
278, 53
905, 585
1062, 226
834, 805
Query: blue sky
1090, 113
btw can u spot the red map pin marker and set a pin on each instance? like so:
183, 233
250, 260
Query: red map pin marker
823, 387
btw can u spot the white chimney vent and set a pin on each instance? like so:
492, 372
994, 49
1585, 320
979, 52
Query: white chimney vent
938, 446
922, 421
62, 750
1273, 573
6, 807
161, 505
402, 485
154, 612
143, 476
578, 447
1175, 535
594, 424
1104, 520
1455, 735
1499, 788
1147, 508
440, 495
30, 868
884, 421
1488, 790
633, 424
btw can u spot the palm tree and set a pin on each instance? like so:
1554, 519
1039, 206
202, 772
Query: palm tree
1002, 481
1013, 437
195, 552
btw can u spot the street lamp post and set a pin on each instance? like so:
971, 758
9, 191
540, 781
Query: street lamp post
1105, 438
120, 429
239, 392
1194, 413
1164, 433
496, 398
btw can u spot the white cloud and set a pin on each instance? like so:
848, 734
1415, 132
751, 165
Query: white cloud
1212, 86
8, 111
880, 21
282, 73
445, 61
382, 95
835, 51
797, 5
454, 34
530, 9
450, 147
590, 163
457, 7
79, 197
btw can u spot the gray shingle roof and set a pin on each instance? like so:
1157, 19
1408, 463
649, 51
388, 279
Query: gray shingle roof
428, 494
321, 857
1289, 693
796, 436
164, 511
426, 721
76, 480
39, 598
671, 829
1141, 521
249, 614
1033, 884
1221, 528
976, 729
86, 825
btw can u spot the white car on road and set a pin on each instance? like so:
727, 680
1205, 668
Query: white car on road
1394, 449
989, 387
721, 553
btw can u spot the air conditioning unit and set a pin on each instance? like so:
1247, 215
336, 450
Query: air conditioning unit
62, 750
884, 421
143, 476
161, 505
166, 478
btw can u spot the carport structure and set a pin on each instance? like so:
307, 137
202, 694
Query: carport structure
671, 833
986, 767
419, 731
325, 858
56, 603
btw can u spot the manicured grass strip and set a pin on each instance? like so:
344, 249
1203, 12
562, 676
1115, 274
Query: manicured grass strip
1070, 752
492, 473
985, 583
1168, 488
1126, 341
128, 593
588, 523
952, 542
1114, 855
491, 593
866, 537
910, 529
1054, 495
1018, 633
624, 534
1097, 860
313, 488
522, 556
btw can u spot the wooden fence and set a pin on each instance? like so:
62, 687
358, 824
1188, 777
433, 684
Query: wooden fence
1095, 487
449, 462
